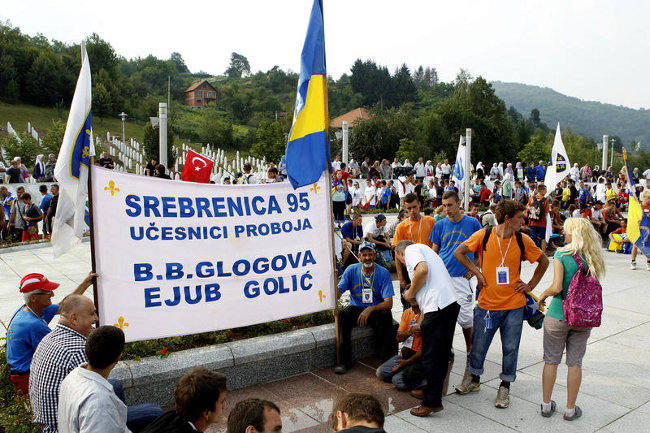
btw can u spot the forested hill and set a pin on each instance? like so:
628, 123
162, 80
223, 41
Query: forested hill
592, 119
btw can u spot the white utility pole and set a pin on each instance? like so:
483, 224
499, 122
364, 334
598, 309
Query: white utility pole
344, 150
468, 166
162, 131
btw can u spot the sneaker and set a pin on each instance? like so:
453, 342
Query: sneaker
550, 412
467, 386
577, 413
503, 398
340, 369
633, 265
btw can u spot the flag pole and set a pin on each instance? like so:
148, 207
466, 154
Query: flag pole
335, 312
92, 234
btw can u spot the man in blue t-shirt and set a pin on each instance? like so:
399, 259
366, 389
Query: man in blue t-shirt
540, 172
446, 235
352, 231
371, 300
29, 324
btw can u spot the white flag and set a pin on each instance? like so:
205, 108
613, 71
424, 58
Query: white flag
459, 166
559, 167
71, 170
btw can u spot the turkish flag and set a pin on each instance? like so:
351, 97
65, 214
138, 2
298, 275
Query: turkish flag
197, 168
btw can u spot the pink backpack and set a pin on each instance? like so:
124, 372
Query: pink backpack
584, 300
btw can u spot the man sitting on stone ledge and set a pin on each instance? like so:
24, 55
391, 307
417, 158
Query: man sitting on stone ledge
60, 352
28, 325
200, 401
371, 300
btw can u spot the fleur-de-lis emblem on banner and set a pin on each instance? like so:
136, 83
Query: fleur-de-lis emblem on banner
121, 323
111, 187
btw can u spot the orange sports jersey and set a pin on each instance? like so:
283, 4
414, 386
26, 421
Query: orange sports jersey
495, 296
416, 231
408, 316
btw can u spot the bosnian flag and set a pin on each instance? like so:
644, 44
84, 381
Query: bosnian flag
308, 146
197, 168
71, 170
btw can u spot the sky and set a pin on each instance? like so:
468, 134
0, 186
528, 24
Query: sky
595, 50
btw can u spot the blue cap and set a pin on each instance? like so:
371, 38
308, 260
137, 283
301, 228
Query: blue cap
365, 245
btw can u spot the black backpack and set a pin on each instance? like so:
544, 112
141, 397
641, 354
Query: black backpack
536, 209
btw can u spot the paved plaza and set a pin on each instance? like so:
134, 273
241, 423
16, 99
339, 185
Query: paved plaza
615, 392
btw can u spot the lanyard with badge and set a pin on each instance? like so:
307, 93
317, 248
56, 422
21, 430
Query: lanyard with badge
409, 341
367, 282
503, 272
411, 230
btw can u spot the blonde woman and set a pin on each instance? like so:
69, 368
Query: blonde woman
582, 239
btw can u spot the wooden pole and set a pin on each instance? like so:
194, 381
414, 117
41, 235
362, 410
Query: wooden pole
92, 234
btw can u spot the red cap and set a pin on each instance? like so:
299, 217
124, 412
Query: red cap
31, 282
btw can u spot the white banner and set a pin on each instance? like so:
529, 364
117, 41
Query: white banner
178, 258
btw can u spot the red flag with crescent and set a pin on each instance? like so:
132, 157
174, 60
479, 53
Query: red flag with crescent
197, 168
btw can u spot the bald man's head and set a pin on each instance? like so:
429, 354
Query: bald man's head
79, 313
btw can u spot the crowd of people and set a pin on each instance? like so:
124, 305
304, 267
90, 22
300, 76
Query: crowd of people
435, 263
65, 371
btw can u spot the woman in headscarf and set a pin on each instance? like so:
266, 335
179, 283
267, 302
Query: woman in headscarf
407, 164
575, 172
500, 167
509, 171
429, 170
585, 173
507, 187
595, 173
519, 168
494, 172
439, 171
480, 171
39, 168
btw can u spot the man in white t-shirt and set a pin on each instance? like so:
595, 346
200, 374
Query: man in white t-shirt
336, 164
404, 186
446, 170
601, 191
248, 176
370, 194
433, 289
420, 172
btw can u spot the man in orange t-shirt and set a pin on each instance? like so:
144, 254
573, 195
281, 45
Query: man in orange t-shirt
411, 354
501, 298
416, 228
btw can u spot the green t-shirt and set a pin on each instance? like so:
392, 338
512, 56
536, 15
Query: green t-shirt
555, 309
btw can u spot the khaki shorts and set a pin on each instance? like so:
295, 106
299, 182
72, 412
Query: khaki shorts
465, 294
557, 335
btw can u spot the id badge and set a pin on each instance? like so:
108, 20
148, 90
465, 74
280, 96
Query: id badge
503, 275
366, 296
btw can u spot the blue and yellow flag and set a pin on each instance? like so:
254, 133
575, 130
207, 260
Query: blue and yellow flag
308, 146
638, 223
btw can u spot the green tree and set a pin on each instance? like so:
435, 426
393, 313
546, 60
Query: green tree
406, 150
52, 141
238, 66
27, 148
177, 59
151, 144
215, 129
270, 143
534, 151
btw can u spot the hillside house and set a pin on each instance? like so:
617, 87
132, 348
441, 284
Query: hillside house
200, 94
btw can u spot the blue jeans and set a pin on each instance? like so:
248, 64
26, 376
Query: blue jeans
139, 415
385, 373
538, 234
509, 324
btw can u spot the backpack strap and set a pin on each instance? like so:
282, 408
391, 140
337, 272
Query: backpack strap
486, 237
520, 242
580, 263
